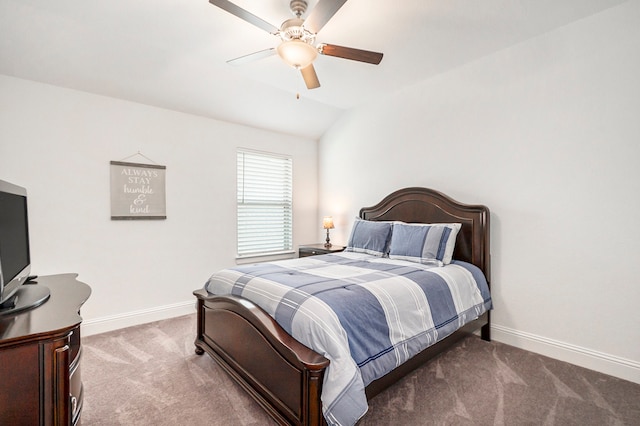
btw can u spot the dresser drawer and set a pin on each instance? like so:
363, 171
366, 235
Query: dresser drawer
316, 249
75, 388
308, 252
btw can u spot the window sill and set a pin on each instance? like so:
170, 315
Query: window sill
257, 258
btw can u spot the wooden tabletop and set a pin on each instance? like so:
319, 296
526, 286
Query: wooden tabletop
57, 315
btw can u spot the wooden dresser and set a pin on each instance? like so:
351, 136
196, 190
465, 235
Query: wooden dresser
40, 351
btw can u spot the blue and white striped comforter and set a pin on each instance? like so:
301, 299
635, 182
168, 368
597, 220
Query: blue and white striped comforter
366, 314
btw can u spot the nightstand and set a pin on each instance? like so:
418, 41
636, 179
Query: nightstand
315, 249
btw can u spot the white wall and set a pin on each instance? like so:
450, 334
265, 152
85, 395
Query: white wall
58, 144
547, 135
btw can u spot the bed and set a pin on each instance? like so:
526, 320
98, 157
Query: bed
286, 377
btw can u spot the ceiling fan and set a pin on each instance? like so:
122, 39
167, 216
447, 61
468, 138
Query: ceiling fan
298, 36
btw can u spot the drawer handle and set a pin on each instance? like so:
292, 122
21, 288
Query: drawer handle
74, 403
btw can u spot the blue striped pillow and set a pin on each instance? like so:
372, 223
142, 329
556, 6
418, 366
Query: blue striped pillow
370, 237
424, 243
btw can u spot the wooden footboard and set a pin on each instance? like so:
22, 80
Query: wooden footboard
281, 374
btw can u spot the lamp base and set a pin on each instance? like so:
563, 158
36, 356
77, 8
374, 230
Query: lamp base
328, 243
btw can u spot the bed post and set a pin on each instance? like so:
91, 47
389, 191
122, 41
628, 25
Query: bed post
485, 330
199, 319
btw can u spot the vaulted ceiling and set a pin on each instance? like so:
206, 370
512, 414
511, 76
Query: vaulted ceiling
172, 53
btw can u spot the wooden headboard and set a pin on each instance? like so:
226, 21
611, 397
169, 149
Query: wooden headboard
424, 205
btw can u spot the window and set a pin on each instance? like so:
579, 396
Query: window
265, 212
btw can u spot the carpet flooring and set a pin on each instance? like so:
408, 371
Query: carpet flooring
150, 375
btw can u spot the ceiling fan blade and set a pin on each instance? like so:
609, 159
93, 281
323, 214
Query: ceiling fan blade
243, 14
350, 53
321, 14
310, 77
252, 56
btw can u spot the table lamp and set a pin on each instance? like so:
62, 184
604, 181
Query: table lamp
327, 223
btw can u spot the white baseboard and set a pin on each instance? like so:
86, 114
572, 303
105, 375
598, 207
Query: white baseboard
128, 319
605, 363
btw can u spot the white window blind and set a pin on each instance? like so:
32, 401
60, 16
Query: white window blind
265, 212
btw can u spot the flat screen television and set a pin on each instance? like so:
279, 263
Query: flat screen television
15, 254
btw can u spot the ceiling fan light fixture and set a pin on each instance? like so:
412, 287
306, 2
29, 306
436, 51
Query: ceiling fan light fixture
297, 53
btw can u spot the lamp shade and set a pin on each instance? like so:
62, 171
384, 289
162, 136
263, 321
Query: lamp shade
297, 53
327, 222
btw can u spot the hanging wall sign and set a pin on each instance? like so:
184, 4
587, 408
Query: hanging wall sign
137, 191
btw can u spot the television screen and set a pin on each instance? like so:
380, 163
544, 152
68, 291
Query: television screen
13, 230
14, 239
